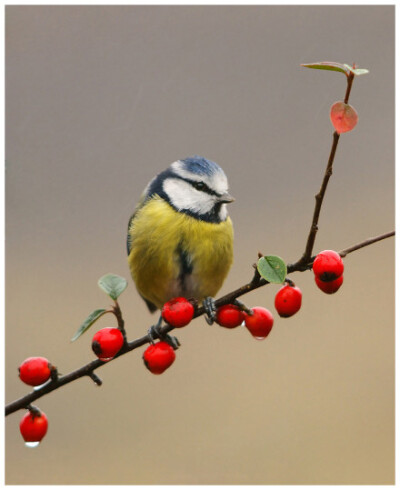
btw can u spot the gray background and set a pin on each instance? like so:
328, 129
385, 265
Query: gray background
100, 99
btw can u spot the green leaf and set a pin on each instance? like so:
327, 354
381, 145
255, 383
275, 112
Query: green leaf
113, 285
328, 65
272, 268
357, 71
333, 66
361, 71
88, 323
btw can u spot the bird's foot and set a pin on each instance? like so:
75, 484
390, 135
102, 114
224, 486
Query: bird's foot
155, 332
172, 341
210, 309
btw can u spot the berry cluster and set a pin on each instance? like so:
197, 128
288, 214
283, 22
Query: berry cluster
258, 320
328, 269
179, 312
38, 371
35, 371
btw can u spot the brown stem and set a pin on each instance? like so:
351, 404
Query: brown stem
350, 78
365, 243
318, 204
121, 323
320, 196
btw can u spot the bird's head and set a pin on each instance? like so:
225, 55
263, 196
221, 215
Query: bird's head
195, 186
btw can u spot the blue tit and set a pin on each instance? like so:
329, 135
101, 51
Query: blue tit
180, 237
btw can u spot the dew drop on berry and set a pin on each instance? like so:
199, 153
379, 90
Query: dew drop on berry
105, 359
32, 444
36, 388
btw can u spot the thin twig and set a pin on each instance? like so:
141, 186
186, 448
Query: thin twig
121, 324
350, 78
318, 203
365, 243
95, 378
305, 259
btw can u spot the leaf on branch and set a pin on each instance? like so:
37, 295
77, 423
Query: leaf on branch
272, 268
357, 71
327, 65
113, 285
360, 71
333, 66
94, 316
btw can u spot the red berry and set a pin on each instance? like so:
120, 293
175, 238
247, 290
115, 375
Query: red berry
260, 322
328, 266
158, 357
35, 371
178, 312
343, 116
331, 286
288, 301
230, 316
33, 427
107, 342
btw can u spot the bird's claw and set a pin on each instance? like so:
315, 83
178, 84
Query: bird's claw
210, 309
155, 332
172, 341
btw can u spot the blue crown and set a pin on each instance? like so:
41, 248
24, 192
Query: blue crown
201, 166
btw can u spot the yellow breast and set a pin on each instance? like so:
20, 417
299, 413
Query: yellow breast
173, 254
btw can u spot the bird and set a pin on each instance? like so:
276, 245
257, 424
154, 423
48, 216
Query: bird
180, 237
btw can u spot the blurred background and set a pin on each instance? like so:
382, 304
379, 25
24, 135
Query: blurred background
101, 98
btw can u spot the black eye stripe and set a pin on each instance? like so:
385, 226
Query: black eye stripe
201, 186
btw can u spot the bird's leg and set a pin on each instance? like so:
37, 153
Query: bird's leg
154, 332
210, 309
172, 341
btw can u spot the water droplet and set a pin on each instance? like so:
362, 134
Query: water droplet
32, 444
259, 338
105, 359
35, 388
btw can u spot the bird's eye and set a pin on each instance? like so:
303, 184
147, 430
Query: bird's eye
200, 186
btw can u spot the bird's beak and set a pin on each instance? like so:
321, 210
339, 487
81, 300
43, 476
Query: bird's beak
226, 198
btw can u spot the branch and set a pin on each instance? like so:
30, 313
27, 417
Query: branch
304, 263
305, 259
87, 370
365, 243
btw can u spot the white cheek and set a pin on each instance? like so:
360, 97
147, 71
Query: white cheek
183, 196
223, 213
